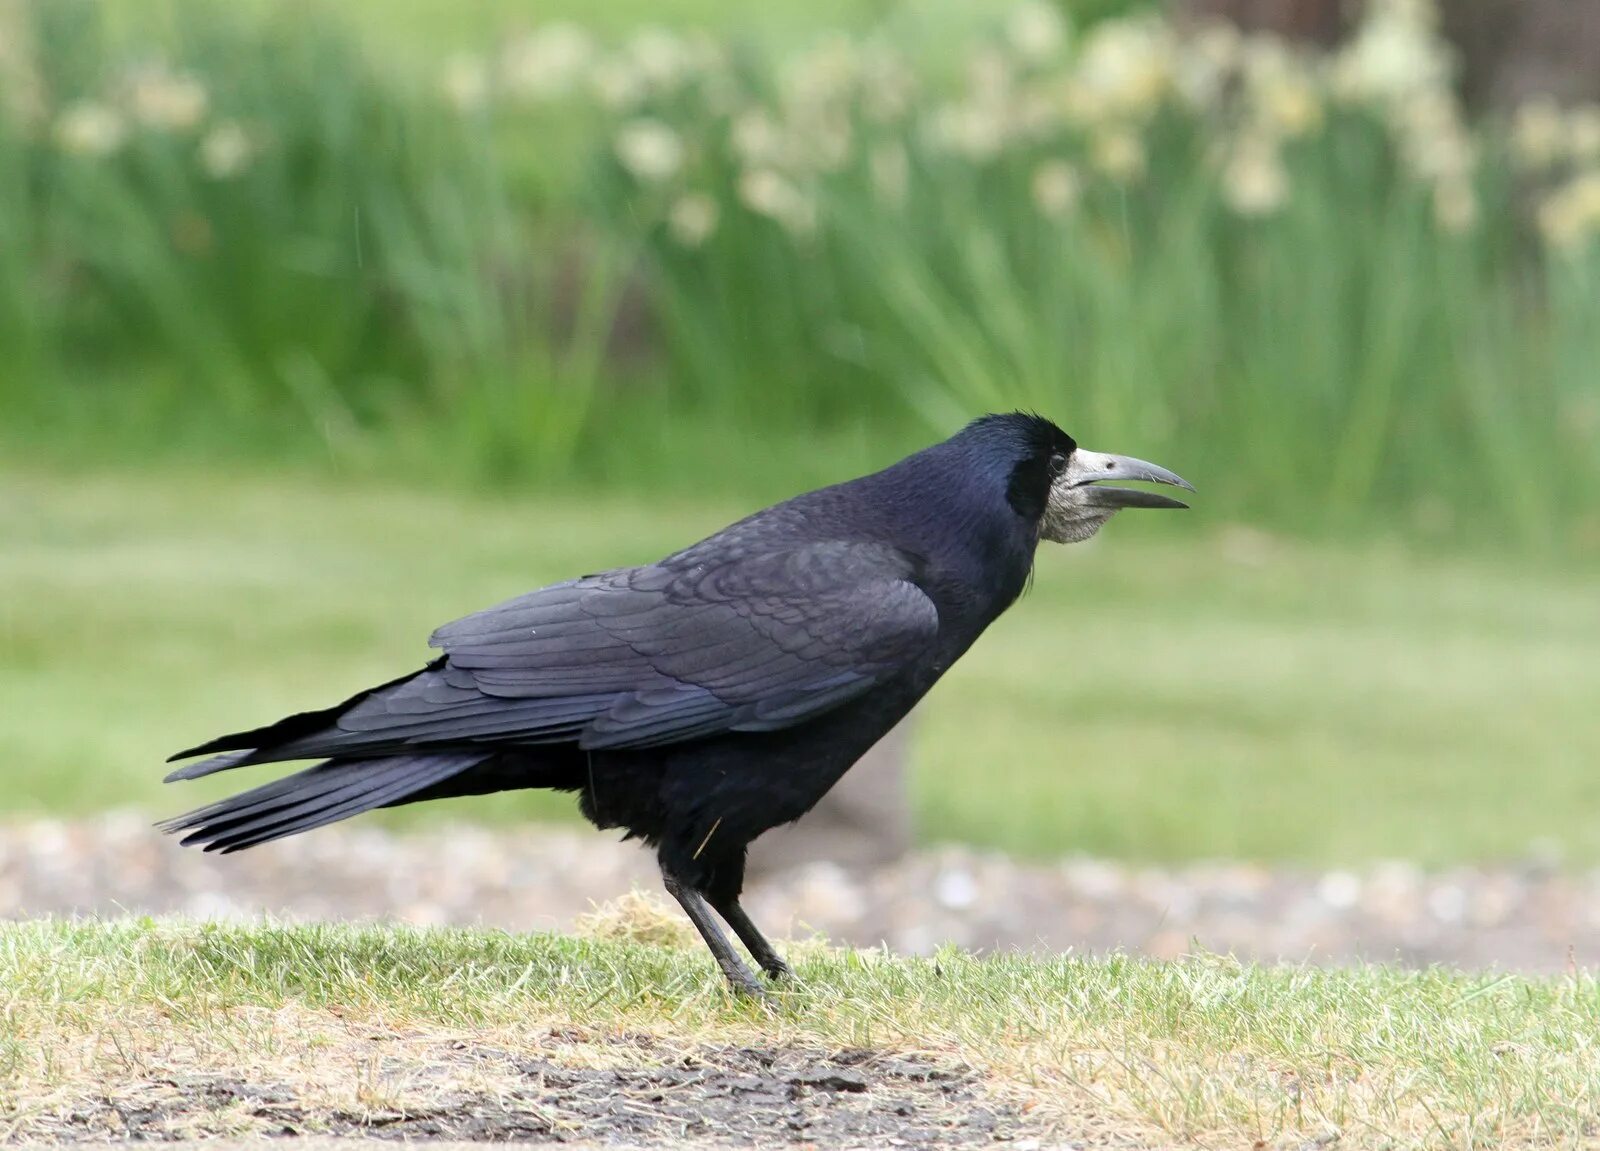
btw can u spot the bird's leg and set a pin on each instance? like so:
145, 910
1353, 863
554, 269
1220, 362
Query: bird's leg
750, 935
695, 907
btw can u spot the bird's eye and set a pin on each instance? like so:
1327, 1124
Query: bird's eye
1058, 463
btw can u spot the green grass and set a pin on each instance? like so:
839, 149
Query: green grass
1159, 694
1204, 1049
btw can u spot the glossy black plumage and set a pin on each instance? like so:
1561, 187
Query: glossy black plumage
698, 701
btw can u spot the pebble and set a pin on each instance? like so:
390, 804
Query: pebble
1518, 916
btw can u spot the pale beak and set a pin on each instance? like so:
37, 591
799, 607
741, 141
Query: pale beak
1089, 469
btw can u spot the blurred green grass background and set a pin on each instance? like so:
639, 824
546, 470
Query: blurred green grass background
325, 323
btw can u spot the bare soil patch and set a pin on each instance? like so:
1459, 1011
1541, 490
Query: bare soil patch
704, 1096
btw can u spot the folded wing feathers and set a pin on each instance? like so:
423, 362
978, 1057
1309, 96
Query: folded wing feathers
629, 659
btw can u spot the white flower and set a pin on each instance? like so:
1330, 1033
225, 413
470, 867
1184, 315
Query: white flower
1570, 218
547, 64
1056, 187
756, 138
1119, 153
1036, 30
1126, 69
975, 131
167, 101
692, 219
617, 85
465, 82
90, 129
1538, 134
1394, 54
768, 194
1583, 133
661, 59
1281, 88
649, 150
225, 151
1254, 182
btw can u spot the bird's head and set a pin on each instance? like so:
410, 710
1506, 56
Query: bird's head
1059, 486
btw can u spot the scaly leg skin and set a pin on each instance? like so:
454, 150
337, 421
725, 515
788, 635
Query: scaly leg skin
694, 905
750, 935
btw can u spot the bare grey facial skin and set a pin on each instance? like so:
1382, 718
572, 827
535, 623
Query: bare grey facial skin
1079, 506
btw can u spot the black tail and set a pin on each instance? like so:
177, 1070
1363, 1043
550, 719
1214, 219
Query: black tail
320, 795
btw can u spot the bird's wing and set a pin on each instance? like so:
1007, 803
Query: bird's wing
645, 656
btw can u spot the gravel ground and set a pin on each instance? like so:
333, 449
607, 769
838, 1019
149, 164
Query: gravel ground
1530, 917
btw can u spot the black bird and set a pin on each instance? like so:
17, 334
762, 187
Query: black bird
701, 700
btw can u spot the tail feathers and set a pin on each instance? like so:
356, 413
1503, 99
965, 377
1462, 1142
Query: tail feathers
265, 738
207, 766
320, 795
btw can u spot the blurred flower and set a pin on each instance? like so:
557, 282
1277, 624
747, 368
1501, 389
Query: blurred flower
1395, 53
1455, 205
661, 59
1036, 30
890, 170
966, 129
1583, 133
1056, 187
547, 64
768, 194
888, 85
823, 76
1255, 182
1205, 63
1538, 134
1570, 217
1125, 71
649, 150
617, 85
756, 138
225, 151
1119, 153
90, 129
465, 82
167, 101
1281, 87
692, 219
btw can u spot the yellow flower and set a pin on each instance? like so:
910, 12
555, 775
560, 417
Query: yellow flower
649, 150
1056, 187
90, 129
692, 219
